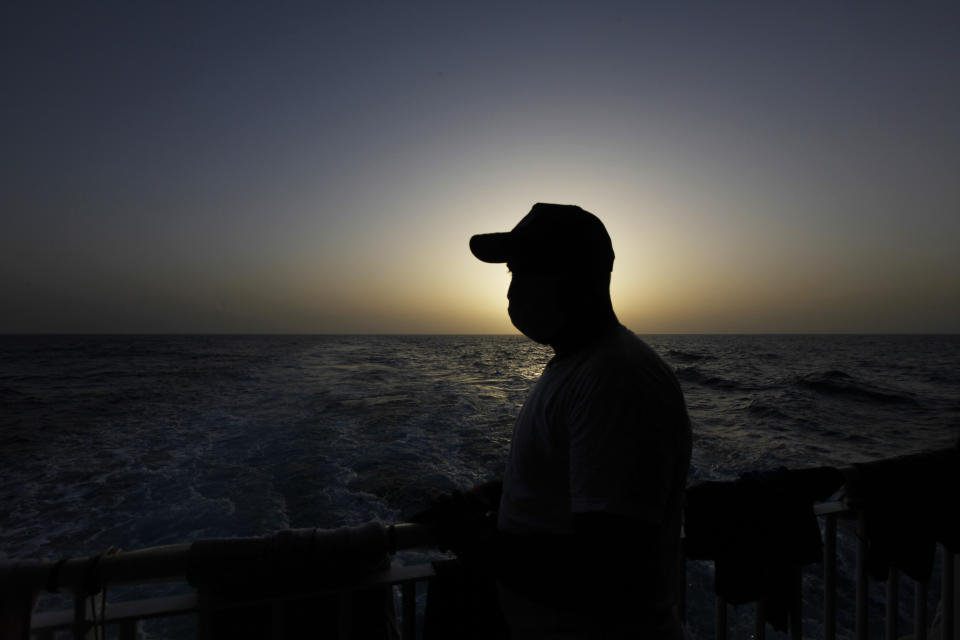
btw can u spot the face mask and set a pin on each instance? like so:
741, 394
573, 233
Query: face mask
535, 307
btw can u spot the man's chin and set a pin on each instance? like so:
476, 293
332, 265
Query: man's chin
535, 334
539, 339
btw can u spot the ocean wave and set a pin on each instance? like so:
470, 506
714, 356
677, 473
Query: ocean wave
943, 377
768, 356
695, 375
838, 383
142, 441
689, 356
762, 410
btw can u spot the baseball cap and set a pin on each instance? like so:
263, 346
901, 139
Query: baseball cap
552, 238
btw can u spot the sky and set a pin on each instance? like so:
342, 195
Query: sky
319, 167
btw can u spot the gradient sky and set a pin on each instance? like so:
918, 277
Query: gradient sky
319, 167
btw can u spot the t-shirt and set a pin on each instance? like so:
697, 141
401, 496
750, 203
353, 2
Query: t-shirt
605, 429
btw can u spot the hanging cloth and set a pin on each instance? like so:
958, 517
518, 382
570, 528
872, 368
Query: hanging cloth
909, 504
299, 561
759, 530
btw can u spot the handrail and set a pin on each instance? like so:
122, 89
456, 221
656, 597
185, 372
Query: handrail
128, 614
174, 562
834, 506
169, 563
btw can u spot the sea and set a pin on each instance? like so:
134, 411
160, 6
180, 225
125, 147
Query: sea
136, 441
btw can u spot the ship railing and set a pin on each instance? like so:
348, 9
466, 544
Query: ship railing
172, 563
831, 513
127, 616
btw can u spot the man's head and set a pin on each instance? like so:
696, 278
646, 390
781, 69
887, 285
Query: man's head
560, 257
551, 239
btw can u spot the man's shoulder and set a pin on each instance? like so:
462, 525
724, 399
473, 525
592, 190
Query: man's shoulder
626, 361
623, 350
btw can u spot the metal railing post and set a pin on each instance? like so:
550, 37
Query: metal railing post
956, 595
830, 577
948, 596
760, 622
920, 611
409, 606
893, 603
682, 604
796, 606
80, 626
344, 615
862, 630
277, 619
721, 619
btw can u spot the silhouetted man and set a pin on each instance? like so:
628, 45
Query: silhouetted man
589, 519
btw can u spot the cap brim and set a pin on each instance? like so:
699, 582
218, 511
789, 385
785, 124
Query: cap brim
492, 247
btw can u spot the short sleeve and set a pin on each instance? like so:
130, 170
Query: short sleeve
621, 446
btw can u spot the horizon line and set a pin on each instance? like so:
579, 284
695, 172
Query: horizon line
424, 333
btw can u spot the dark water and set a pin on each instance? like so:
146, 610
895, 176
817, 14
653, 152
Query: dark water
138, 441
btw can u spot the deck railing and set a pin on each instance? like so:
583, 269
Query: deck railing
171, 563
831, 513
127, 616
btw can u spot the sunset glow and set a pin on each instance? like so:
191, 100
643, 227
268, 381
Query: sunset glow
765, 169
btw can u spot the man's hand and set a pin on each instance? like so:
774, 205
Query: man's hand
464, 522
